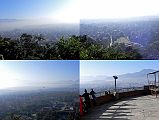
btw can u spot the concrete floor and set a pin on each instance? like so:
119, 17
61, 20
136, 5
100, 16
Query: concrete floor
139, 108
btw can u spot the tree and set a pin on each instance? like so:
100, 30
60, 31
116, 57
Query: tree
122, 51
68, 49
92, 52
8, 48
72, 48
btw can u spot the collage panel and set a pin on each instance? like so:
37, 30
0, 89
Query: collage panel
119, 89
39, 30
39, 90
68, 30
119, 30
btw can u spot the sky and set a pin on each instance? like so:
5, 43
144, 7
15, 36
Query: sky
71, 11
103, 9
44, 10
38, 73
116, 67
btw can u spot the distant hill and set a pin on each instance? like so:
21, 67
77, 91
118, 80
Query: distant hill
142, 18
10, 20
125, 80
67, 85
14, 28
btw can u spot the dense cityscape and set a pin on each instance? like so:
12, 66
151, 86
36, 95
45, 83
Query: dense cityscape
94, 39
39, 90
140, 33
39, 105
51, 33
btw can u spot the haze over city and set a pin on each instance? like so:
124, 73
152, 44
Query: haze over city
38, 74
70, 11
22, 13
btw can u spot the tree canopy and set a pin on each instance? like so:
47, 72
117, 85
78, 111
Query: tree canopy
73, 48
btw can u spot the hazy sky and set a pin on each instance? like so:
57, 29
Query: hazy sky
73, 10
96, 9
109, 68
38, 73
48, 10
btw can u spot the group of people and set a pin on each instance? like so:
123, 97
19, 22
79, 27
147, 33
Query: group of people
87, 100
84, 106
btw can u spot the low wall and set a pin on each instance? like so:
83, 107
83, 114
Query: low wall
110, 97
104, 99
132, 94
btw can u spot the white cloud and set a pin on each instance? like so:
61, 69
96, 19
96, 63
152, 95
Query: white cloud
9, 78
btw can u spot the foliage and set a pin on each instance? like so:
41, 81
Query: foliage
121, 51
69, 49
74, 47
151, 51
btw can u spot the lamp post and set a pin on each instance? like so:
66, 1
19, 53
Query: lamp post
115, 78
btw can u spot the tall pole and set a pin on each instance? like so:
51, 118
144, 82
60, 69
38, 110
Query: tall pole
115, 78
115, 85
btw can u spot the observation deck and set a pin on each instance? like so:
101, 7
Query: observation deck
127, 105
136, 108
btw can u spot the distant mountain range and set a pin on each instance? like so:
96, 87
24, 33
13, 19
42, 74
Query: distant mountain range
125, 80
141, 18
67, 85
11, 20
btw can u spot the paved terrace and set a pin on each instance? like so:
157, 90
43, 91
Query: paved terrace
137, 108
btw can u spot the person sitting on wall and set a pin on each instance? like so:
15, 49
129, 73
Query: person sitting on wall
92, 93
87, 100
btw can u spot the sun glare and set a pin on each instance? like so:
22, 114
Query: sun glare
8, 79
106, 9
69, 13
96, 9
